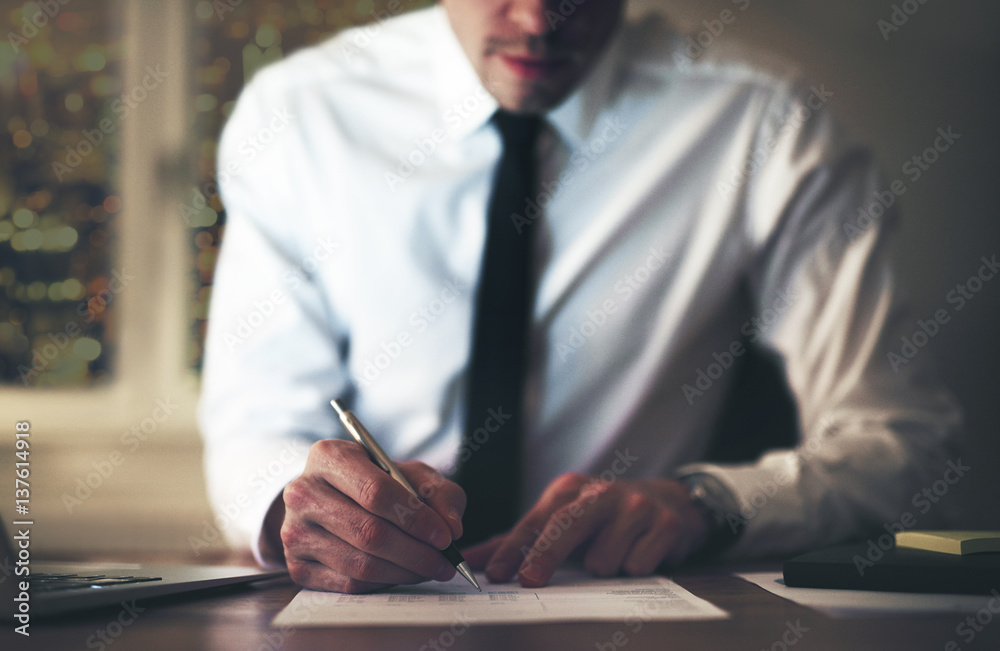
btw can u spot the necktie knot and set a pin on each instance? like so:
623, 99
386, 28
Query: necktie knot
517, 129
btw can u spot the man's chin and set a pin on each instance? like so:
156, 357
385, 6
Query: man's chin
528, 98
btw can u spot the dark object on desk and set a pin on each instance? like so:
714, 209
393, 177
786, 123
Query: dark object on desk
759, 413
865, 566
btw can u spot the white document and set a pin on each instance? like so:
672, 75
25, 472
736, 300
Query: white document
859, 603
572, 595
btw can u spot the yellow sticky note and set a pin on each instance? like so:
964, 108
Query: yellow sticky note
950, 542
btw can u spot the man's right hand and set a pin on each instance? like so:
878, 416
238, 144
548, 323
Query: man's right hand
350, 527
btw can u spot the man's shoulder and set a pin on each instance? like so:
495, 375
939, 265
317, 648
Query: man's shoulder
390, 49
670, 54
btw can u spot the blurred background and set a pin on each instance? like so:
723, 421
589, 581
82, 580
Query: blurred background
110, 221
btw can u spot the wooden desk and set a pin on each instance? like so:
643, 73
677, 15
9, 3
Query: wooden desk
239, 620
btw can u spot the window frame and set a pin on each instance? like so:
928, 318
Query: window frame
152, 311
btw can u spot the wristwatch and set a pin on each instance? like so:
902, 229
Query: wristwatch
721, 510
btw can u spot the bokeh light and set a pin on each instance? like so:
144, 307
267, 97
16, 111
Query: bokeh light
57, 236
24, 218
53, 90
86, 349
74, 102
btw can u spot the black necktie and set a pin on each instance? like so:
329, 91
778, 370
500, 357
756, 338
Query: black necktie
490, 459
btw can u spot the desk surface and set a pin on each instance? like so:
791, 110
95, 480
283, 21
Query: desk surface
239, 619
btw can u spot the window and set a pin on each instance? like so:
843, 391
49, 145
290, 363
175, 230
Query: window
61, 106
110, 218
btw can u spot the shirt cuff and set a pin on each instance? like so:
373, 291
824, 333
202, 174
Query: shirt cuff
720, 509
768, 503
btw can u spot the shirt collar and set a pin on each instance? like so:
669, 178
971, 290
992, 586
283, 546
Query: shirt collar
465, 103
577, 116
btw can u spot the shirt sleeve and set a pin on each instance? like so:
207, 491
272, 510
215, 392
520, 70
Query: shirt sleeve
876, 430
272, 359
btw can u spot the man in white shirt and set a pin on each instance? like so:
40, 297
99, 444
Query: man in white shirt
688, 208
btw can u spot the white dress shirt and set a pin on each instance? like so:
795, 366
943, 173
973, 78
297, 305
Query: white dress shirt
687, 206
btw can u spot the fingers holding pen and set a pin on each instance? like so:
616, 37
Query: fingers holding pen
347, 468
350, 527
320, 560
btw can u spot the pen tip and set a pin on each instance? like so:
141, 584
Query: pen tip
336, 405
463, 569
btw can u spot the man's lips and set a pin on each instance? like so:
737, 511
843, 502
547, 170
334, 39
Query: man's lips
533, 67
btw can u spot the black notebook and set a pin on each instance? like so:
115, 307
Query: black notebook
866, 566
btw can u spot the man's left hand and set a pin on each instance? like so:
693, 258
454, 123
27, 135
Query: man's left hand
620, 526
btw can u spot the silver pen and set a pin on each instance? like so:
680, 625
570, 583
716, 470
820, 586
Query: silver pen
382, 460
